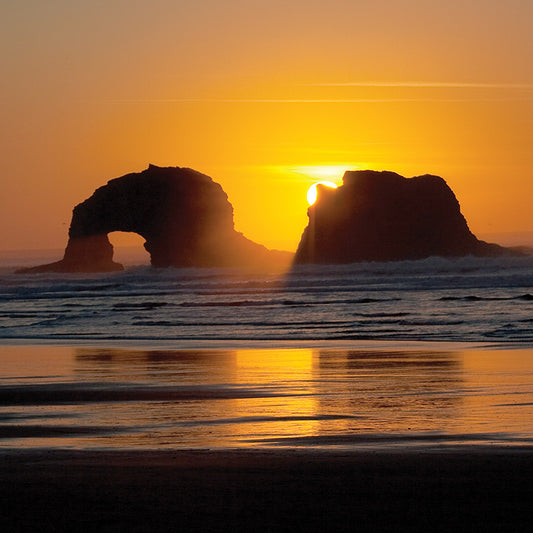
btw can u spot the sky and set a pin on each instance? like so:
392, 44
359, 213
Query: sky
266, 97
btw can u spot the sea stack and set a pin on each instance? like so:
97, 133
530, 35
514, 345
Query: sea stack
382, 216
184, 216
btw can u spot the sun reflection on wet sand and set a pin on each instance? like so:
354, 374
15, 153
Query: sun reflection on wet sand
294, 408
166, 399
389, 391
498, 391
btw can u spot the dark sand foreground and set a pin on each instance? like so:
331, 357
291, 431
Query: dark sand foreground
452, 489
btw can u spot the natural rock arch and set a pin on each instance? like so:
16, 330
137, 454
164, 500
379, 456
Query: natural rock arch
183, 215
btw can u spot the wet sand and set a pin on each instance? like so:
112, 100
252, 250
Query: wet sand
315, 464
443, 489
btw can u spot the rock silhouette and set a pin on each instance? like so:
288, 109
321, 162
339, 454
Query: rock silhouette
382, 216
184, 216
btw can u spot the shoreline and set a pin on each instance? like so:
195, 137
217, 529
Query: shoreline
257, 457
229, 344
478, 489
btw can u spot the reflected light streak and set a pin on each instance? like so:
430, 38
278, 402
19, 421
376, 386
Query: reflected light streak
290, 373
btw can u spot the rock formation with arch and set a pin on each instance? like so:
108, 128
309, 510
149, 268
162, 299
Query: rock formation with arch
183, 215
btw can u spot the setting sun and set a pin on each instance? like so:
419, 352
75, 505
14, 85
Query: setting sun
312, 192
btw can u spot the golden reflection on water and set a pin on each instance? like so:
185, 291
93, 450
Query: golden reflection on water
292, 373
498, 392
220, 398
270, 393
387, 393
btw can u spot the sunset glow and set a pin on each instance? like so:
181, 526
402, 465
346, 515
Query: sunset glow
326, 172
276, 97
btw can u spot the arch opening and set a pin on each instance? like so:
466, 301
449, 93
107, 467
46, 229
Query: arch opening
128, 248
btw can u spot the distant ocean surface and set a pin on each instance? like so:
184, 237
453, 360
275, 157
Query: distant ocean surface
466, 299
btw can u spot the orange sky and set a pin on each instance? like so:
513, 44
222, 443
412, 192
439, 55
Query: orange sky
266, 97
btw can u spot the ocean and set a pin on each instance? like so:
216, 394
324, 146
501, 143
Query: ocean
467, 299
423, 354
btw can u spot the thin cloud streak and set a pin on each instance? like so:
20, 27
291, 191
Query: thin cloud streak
425, 85
309, 100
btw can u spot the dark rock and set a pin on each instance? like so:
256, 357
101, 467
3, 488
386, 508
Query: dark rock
184, 216
93, 253
382, 216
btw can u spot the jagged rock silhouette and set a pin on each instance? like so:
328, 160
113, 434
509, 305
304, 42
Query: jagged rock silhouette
382, 216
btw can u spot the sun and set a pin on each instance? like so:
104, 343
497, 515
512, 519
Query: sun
312, 193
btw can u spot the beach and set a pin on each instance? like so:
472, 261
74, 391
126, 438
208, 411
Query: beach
443, 490
375, 397
423, 437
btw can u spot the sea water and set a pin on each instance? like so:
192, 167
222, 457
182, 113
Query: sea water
467, 299
419, 353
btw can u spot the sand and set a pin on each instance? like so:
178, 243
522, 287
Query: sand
450, 489
384, 484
